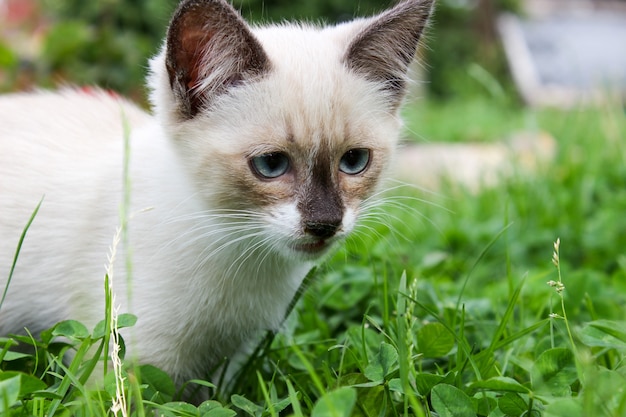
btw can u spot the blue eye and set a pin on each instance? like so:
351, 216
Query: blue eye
354, 161
270, 165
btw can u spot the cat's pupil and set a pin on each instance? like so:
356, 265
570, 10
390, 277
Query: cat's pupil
270, 165
354, 161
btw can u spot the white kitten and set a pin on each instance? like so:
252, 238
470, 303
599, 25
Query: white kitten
263, 146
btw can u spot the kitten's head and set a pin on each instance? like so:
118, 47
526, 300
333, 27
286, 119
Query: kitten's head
296, 124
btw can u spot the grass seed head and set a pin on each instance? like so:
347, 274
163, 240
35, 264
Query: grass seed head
555, 254
558, 286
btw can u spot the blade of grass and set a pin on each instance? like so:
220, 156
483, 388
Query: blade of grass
266, 395
293, 396
403, 355
462, 343
317, 382
125, 207
505, 319
19, 249
480, 257
502, 343
67, 380
107, 321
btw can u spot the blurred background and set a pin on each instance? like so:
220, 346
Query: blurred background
483, 59
107, 43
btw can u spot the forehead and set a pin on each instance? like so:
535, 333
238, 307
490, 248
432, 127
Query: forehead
314, 94
321, 112
308, 101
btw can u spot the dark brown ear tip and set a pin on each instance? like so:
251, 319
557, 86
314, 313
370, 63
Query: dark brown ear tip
209, 49
384, 49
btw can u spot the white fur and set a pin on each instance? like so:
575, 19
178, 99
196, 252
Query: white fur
60, 270
204, 278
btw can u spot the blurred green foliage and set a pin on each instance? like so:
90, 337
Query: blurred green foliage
330, 11
464, 52
108, 43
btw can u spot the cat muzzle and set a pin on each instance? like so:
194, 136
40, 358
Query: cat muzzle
321, 230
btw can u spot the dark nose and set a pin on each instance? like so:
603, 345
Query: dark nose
321, 230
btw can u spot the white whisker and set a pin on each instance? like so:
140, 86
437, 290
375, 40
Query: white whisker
245, 255
382, 207
215, 252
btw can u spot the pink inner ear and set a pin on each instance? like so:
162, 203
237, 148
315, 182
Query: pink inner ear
192, 52
210, 48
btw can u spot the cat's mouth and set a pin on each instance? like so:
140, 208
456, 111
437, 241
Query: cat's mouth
312, 248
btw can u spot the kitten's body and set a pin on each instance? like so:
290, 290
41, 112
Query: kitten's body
218, 247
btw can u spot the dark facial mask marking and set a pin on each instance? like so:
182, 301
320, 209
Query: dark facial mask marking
322, 207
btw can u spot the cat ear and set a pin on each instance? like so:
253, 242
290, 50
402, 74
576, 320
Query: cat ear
209, 49
383, 50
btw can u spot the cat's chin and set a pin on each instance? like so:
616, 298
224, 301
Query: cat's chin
313, 249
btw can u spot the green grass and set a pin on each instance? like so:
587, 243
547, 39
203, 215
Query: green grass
441, 308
